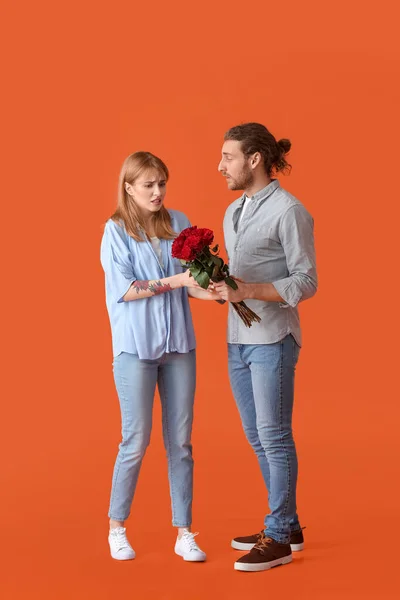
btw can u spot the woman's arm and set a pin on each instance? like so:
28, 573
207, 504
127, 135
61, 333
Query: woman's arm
201, 294
145, 289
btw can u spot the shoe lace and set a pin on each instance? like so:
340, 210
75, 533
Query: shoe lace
120, 539
263, 542
188, 539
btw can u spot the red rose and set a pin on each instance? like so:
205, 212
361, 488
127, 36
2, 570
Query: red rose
187, 253
207, 236
191, 242
177, 246
178, 243
199, 238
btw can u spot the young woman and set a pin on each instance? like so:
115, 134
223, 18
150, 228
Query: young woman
153, 344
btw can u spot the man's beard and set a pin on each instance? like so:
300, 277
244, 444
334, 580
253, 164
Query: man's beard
243, 181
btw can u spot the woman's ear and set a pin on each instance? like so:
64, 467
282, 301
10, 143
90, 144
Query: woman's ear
128, 188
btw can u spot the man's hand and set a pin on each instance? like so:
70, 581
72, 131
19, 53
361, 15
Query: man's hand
228, 294
246, 291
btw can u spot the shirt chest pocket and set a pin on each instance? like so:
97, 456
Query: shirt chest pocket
260, 241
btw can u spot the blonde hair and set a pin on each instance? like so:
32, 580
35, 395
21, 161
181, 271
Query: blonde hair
127, 211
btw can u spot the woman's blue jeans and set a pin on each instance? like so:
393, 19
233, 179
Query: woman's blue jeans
136, 381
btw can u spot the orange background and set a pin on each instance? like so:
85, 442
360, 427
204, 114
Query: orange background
84, 85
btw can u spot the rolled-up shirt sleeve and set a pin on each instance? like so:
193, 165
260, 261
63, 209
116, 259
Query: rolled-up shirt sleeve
297, 239
116, 261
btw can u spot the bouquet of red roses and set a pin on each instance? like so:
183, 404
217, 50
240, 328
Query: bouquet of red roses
193, 248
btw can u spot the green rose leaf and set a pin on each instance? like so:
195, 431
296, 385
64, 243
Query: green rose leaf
203, 279
231, 282
195, 270
218, 261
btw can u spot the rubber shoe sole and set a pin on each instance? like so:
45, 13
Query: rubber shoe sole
256, 567
196, 557
247, 547
191, 558
118, 556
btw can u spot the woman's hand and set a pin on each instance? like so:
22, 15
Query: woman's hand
202, 294
187, 280
194, 289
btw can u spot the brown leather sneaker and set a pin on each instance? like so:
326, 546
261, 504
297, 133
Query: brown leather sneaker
247, 542
297, 540
266, 554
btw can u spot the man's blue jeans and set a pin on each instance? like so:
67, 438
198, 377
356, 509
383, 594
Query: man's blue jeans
262, 381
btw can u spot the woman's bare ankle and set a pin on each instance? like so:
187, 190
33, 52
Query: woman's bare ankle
114, 524
181, 531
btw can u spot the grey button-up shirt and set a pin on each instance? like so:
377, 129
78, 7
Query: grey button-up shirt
272, 243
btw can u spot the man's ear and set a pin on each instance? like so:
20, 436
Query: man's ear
256, 159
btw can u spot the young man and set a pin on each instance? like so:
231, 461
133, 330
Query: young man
270, 244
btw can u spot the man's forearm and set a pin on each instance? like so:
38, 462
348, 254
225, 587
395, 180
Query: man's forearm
262, 291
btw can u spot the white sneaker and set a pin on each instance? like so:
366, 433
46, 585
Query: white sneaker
188, 549
119, 545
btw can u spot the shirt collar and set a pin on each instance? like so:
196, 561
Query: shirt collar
259, 197
264, 193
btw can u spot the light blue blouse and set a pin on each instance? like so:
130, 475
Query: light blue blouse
147, 327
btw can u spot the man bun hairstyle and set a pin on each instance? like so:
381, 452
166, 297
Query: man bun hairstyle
255, 137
